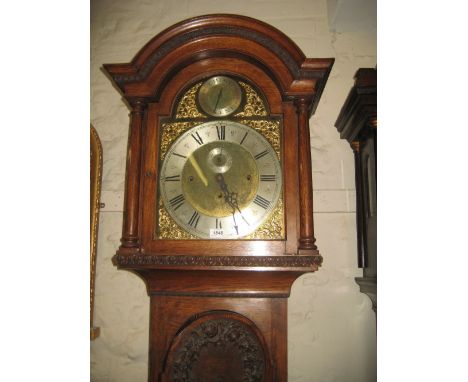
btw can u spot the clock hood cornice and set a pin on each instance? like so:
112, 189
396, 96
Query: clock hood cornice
358, 116
220, 36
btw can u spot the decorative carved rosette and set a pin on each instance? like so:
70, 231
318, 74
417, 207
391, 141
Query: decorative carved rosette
218, 346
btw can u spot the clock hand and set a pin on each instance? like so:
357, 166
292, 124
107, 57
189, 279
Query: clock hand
198, 170
235, 224
217, 100
231, 199
228, 198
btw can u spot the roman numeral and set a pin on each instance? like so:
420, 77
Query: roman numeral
177, 201
193, 222
197, 138
182, 156
218, 224
268, 178
174, 178
242, 141
262, 154
221, 130
261, 201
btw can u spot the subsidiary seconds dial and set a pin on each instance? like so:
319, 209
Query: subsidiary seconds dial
220, 96
220, 180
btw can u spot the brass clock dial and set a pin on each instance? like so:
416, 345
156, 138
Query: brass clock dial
220, 180
220, 96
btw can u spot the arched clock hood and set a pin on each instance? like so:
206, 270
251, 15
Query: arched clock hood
222, 36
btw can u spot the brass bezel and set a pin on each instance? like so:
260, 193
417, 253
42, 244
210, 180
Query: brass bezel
237, 99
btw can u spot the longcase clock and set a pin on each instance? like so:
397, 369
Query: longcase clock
357, 123
218, 217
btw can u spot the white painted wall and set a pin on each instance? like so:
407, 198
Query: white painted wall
331, 325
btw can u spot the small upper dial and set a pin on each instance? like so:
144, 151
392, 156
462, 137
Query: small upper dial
220, 96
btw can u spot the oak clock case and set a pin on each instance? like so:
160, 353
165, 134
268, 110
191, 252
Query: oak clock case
222, 179
218, 217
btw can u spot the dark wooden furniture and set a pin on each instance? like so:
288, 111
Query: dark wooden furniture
218, 307
357, 123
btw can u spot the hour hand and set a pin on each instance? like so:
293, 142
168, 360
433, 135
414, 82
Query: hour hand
235, 225
220, 179
229, 197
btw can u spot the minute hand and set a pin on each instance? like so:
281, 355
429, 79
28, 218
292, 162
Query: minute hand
217, 100
229, 197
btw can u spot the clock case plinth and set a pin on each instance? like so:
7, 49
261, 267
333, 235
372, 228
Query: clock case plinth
227, 292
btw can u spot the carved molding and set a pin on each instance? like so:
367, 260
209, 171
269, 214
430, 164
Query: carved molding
290, 261
186, 37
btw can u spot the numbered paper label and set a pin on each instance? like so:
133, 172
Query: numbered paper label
216, 233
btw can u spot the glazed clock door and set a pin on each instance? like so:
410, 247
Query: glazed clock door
220, 165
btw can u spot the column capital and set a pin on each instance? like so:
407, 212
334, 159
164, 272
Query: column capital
355, 145
138, 105
302, 103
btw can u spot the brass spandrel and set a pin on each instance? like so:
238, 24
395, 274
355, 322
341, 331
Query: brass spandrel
270, 129
273, 227
187, 107
168, 228
254, 105
170, 132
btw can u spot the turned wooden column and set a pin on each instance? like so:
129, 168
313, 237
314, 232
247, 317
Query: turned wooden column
359, 219
130, 227
306, 238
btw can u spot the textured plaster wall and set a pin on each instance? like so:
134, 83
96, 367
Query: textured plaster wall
331, 326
